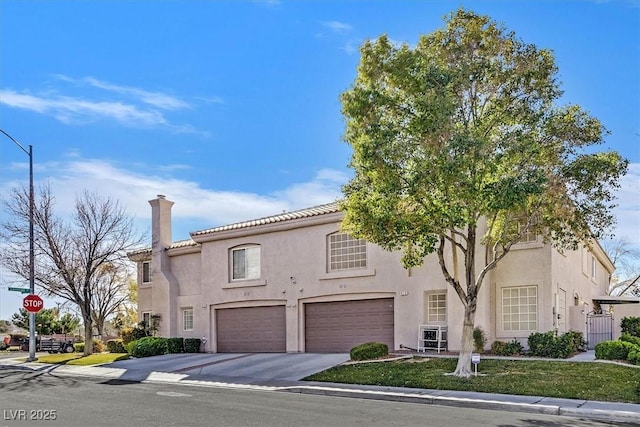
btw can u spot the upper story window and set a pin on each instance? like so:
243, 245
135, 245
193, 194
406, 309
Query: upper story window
245, 263
146, 272
594, 268
528, 235
345, 252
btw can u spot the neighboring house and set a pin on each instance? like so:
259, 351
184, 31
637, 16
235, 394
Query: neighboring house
293, 282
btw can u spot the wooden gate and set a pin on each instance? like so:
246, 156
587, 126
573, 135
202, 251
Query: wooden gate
599, 328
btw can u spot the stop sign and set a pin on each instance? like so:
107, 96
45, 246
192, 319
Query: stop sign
33, 303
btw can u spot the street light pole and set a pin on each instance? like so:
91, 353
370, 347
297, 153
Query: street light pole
32, 316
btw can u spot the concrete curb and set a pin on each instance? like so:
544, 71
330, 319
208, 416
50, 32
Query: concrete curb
475, 403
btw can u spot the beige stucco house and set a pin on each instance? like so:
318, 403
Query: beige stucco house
293, 282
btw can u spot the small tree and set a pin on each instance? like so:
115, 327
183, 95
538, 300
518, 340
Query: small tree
48, 321
459, 148
111, 291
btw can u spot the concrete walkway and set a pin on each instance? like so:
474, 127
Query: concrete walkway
205, 370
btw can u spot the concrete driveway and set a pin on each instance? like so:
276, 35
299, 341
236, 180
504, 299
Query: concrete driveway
252, 367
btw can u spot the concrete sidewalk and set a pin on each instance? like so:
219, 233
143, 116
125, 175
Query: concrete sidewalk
191, 374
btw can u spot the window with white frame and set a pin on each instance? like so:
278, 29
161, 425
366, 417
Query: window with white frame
527, 234
345, 252
436, 308
245, 263
146, 272
594, 268
146, 320
187, 319
520, 308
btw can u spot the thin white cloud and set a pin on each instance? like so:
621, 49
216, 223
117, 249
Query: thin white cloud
157, 99
125, 105
76, 110
337, 26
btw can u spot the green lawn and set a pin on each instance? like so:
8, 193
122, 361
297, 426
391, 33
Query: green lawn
78, 359
572, 380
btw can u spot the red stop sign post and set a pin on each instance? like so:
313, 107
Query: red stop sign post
33, 303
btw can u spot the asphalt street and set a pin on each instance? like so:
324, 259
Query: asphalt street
42, 398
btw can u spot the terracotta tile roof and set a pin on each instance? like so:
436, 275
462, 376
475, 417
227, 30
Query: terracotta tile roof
139, 252
183, 244
285, 216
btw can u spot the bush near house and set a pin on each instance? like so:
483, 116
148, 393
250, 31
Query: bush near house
116, 346
549, 344
149, 346
98, 346
615, 350
192, 345
631, 326
132, 334
368, 351
155, 346
479, 339
175, 345
630, 338
511, 348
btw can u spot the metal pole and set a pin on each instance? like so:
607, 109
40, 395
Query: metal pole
32, 316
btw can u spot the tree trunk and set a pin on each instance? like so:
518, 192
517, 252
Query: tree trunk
88, 336
463, 369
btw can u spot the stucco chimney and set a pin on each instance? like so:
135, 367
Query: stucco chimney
160, 222
165, 286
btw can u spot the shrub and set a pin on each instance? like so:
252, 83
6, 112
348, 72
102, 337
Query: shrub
132, 334
575, 340
630, 338
631, 325
175, 345
129, 346
614, 350
98, 345
511, 348
479, 339
369, 350
149, 346
192, 345
116, 346
634, 356
3, 346
549, 344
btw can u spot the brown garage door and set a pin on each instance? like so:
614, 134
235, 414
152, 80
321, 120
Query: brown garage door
340, 326
251, 330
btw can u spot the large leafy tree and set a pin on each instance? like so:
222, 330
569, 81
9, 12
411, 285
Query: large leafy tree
73, 257
460, 147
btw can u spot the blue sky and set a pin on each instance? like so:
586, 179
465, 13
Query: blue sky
231, 109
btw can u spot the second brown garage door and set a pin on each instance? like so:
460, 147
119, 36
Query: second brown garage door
251, 330
339, 326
